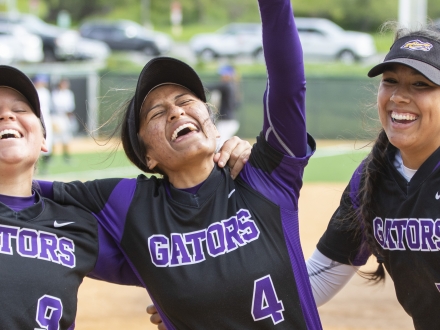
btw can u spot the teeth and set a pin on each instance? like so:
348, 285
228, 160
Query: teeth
403, 116
9, 132
192, 127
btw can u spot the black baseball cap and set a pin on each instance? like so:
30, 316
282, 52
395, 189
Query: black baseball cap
163, 70
418, 52
14, 78
158, 71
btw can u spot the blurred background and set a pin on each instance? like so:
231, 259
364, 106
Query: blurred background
101, 46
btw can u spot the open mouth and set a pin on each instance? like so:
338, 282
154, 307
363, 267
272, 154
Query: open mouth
9, 134
183, 130
403, 118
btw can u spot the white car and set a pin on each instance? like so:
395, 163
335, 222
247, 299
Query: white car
320, 38
6, 51
323, 39
231, 40
26, 47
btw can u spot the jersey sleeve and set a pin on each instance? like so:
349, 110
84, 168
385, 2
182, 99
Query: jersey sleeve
341, 241
284, 99
108, 200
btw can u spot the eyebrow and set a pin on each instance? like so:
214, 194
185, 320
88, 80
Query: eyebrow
413, 72
175, 98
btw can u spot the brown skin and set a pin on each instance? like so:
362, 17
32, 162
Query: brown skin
18, 156
155, 317
186, 160
403, 91
235, 152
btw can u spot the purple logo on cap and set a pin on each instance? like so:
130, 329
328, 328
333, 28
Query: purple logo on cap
417, 45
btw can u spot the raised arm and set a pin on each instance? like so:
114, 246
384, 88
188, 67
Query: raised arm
284, 100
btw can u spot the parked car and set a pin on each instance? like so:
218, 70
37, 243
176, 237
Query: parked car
26, 47
6, 51
320, 38
231, 40
127, 35
58, 44
323, 39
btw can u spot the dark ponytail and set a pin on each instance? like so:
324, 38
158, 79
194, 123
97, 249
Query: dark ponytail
373, 165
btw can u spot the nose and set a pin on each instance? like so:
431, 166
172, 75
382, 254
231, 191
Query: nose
6, 113
175, 112
400, 95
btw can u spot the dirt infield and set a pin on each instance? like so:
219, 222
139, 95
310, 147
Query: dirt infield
358, 306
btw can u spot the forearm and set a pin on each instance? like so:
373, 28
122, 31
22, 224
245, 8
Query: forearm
284, 99
327, 277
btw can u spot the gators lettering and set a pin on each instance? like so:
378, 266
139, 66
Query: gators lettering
219, 238
413, 233
30, 243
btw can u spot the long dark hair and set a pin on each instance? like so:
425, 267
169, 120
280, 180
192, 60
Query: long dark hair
374, 164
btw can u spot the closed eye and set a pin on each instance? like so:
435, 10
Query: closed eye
389, 80
420, 84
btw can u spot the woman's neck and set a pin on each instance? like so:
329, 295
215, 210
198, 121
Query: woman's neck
413, 160
15, 184
190, 176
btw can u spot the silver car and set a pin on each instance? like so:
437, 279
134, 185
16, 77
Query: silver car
323, 39
234, 39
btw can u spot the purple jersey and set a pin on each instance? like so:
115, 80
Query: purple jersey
229, 255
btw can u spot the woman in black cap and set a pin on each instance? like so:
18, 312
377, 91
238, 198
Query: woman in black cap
212, 252
390, 209
45, 249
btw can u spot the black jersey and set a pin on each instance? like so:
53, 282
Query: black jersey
229, 256
45, 252
407, 228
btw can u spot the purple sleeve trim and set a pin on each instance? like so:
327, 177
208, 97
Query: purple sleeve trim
291, 234
112, 220
45, 188
284, 100
362, 257
113, 216
283, 185
354, 185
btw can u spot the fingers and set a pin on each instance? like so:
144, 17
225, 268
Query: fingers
242, 159
155, 317
234, 152
151, 309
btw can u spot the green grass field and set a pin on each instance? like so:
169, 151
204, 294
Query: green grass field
333, 165
330, 164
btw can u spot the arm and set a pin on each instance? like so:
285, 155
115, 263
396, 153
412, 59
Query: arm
327, 276
284, 99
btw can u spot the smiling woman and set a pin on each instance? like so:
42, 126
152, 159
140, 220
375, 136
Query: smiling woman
390, 207
43, 244
197, 239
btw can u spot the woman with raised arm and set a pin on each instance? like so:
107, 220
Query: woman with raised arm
222, 254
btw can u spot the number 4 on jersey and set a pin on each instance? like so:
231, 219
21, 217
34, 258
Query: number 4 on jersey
265, 302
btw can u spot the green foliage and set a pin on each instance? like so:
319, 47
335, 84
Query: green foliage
361, 15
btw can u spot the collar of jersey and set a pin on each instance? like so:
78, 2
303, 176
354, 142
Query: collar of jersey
27, 214
209, 187
430, 165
